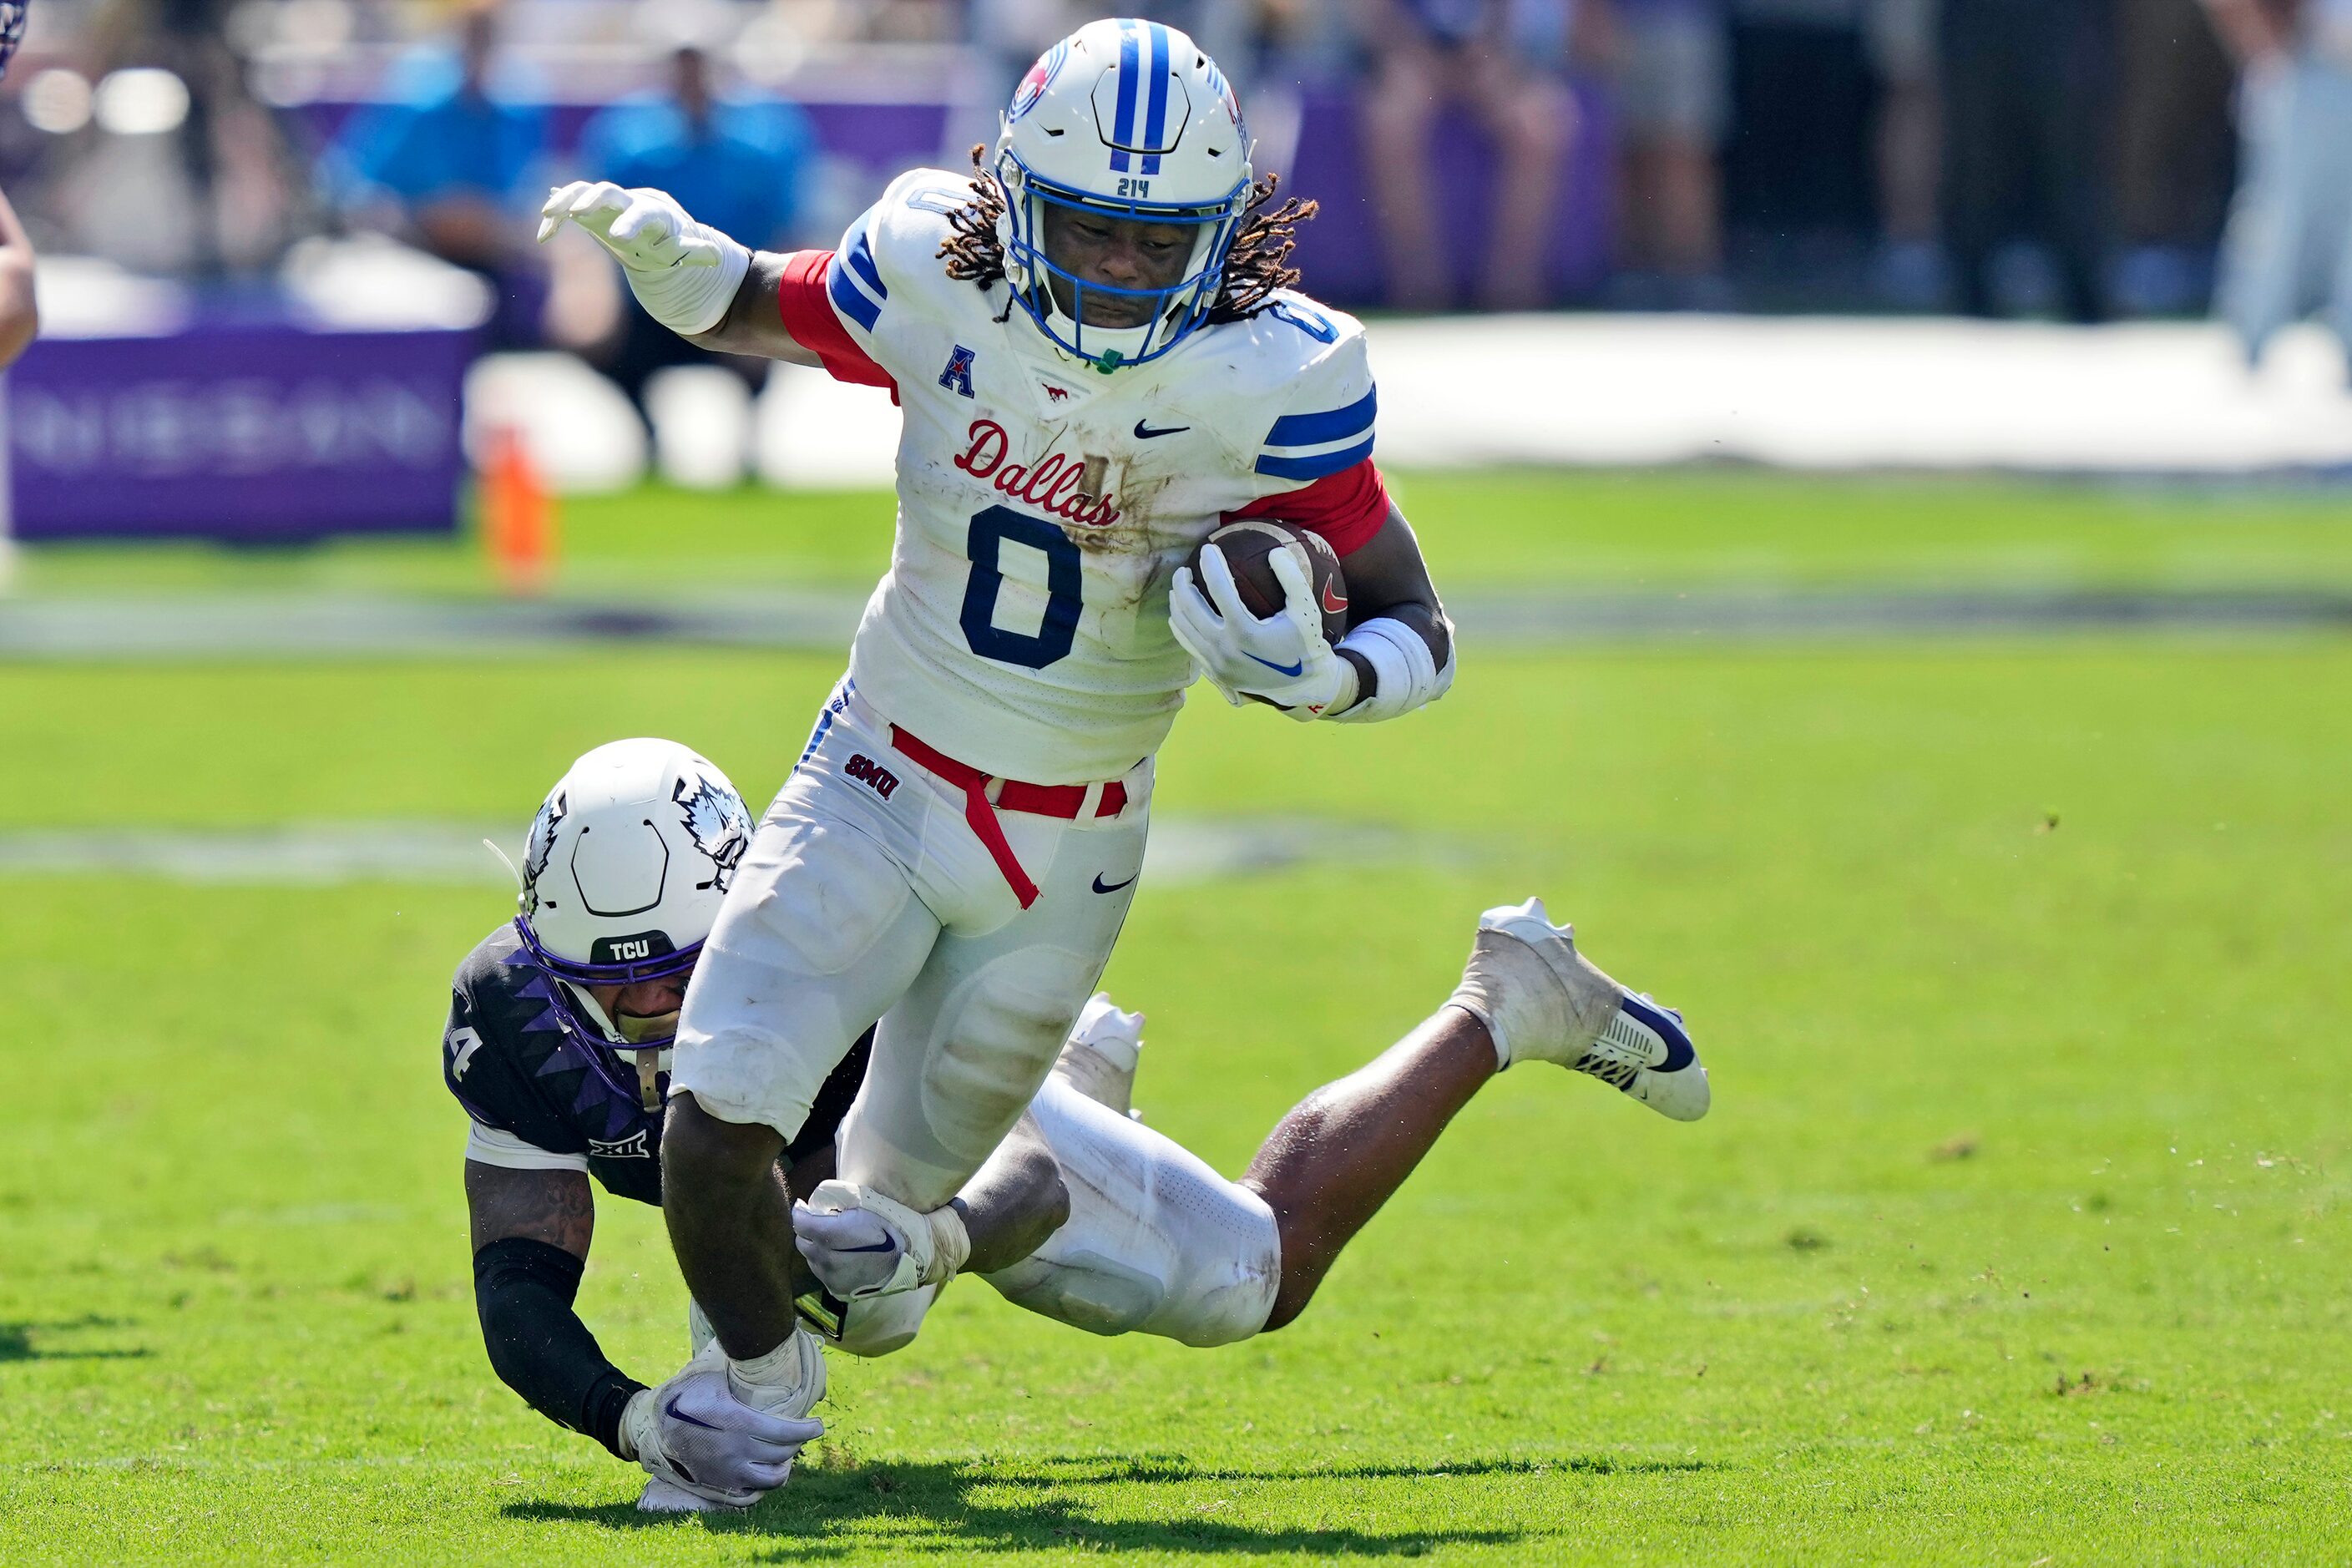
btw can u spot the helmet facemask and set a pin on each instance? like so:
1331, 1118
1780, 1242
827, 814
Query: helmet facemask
1037, 282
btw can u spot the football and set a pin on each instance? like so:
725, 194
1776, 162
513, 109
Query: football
1248, 548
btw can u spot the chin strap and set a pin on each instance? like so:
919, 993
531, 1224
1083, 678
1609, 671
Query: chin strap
649, 1076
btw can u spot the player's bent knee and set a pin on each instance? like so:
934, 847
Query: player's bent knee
1155, 1242
699, 1148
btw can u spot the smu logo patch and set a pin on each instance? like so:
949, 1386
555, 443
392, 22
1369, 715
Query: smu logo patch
957, 377
867, 771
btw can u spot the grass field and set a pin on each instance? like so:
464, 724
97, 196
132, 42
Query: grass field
2017, 1232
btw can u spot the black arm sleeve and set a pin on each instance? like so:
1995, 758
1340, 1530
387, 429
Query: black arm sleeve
539, 1347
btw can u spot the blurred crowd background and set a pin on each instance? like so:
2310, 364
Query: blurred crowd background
2085, 160
2074, 156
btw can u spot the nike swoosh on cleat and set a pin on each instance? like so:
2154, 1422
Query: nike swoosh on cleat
675, 1413
1292, 671
1115, 886
1680, 1053
1145, 433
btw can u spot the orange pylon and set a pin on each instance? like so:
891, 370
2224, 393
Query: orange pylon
519, 522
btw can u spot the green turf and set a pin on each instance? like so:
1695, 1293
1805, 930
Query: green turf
2017, 1234
1532, 530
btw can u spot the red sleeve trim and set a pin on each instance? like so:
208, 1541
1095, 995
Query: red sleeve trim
1346, 508
808, 315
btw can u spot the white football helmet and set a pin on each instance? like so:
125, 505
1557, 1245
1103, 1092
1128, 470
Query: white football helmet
1131, 120
623, 874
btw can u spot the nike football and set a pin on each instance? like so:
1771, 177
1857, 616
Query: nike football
1248, 548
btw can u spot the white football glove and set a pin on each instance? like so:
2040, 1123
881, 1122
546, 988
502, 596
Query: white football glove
860, 1244
1282, 659
683, 272
694, 1433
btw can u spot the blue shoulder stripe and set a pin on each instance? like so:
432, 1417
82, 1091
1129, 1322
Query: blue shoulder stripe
1320, 466
848, 299
1335, 425
861, 258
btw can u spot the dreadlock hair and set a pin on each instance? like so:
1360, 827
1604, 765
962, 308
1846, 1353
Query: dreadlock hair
1257, 265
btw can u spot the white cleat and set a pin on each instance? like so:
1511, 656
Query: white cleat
664, 1497
1543, 1000
1099, 1058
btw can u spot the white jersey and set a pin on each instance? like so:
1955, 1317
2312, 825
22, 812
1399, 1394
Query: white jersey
1044, 506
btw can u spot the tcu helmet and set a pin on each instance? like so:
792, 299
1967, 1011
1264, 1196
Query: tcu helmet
1126, 119
623, 871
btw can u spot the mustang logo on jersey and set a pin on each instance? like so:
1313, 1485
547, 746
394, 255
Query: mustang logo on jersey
716, 821
1053, 484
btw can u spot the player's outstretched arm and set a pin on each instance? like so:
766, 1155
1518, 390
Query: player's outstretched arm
754, 321
531, 1233
693, 279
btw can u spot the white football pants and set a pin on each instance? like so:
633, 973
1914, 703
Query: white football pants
1157, 1242
867, 896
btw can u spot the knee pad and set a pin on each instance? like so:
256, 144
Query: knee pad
1157, 1242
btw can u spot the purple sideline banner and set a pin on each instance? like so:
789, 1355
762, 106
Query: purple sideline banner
256, 434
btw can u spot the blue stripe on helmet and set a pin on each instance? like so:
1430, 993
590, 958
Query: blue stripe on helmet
1318, 468
1123, 125
1155, 117
848, 299
1335, 425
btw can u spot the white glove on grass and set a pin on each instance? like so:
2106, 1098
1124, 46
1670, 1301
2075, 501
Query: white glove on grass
683, 272
693, 1433
1282, 659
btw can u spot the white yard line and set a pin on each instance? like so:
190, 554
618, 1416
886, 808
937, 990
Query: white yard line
1183, 850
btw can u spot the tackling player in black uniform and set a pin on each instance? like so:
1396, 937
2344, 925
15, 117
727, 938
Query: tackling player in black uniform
560, 1024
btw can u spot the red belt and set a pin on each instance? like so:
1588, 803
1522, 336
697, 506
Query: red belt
1065, 801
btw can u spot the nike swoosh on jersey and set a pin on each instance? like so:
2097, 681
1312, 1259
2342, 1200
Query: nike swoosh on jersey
1292, 671
675, 1413
1145, 433
1115, 886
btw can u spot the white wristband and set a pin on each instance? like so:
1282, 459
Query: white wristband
1405, 673
691, 300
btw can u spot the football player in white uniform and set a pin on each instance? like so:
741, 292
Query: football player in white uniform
1100, 360
557, 1043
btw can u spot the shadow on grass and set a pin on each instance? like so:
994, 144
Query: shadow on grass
913, 1509
16, 1339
